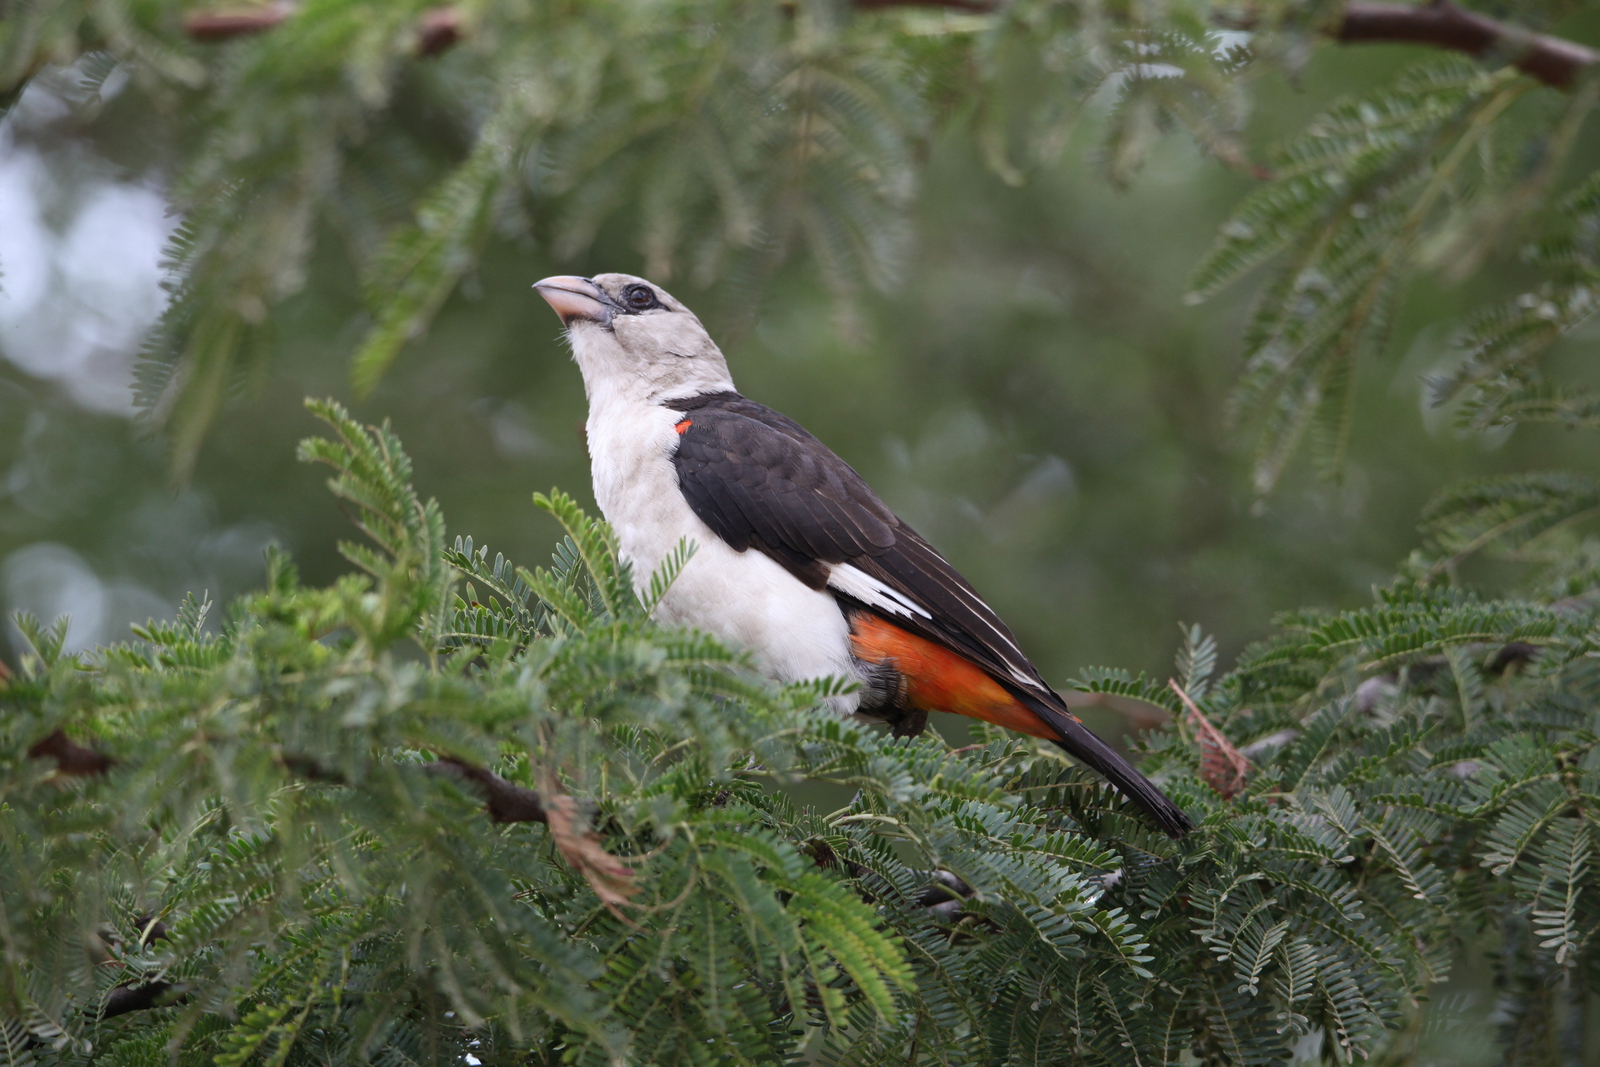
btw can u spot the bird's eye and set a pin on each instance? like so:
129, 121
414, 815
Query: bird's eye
640, 297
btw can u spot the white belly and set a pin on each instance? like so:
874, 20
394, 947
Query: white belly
795, 633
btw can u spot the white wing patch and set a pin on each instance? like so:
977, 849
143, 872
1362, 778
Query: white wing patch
867, 589
1018, 675
856, 583
1023, 679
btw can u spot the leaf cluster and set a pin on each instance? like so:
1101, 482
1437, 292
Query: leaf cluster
281, 838
1439, 169
726, 137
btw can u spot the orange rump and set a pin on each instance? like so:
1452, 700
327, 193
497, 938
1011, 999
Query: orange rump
940, 680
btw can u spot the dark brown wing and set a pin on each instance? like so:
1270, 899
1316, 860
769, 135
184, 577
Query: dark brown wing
760, 480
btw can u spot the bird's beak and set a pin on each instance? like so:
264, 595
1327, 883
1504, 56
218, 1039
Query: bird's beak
576, 299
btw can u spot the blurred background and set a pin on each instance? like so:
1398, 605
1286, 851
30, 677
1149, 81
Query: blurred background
1035, 396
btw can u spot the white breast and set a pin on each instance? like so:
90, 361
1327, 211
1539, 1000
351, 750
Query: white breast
795, 633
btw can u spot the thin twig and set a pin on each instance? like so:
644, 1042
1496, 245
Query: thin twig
979, 6
505, 801
72, 759
126, 998
224, 24
1553, 60
1223, 766
438, 28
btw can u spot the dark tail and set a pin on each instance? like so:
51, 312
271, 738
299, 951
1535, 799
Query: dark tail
1081, 744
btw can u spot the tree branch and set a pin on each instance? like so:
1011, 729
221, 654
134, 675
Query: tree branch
72, 759
224, 24
126, 998
505, 801
437, 30
958, 5
1553, 60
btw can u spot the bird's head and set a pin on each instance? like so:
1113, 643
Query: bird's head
632, 337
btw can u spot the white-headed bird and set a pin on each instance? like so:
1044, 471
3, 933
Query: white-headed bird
797, 560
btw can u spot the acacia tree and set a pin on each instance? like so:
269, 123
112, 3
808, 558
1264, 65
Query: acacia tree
734, 135
452, 809
555, 831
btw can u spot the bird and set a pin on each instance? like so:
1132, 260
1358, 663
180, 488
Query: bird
796, 560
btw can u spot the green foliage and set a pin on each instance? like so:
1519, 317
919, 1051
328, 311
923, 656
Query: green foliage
726, 136
1498, 380
735, 131
318, 839
1435, 169
290, 859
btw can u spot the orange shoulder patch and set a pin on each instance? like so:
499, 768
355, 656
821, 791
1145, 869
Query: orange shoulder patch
938, 679
683, 426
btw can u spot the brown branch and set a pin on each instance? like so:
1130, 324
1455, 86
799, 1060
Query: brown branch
611, 877
224, 24
126, 998
1223, 767
505, 801
1553, 60
958, 5
72, 759
438, 29
310, 768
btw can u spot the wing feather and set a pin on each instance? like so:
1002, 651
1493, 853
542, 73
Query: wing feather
761, 481
758, 479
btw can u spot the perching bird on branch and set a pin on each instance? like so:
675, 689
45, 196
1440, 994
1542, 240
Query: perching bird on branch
796, 560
